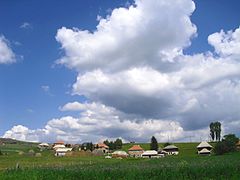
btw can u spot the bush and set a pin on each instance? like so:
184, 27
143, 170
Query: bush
220, 148
228, 144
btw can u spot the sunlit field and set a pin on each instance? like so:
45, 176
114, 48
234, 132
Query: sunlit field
187, 165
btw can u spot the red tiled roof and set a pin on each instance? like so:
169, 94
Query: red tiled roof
136, 148
102, 145
59, 142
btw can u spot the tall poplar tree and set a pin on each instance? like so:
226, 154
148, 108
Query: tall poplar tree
154, 144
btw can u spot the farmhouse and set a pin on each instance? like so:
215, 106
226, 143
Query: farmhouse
150, 154
204, 145
102, 147
58, 146
171, 150
204, 151
119, 154
62, 151
59, 143
238, 145
135, 151
43, 145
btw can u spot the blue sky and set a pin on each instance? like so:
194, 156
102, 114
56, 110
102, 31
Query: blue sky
34, 87
21, 82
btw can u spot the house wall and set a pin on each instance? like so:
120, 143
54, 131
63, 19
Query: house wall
135, 153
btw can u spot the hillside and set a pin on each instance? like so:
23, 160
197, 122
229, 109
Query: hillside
8, 145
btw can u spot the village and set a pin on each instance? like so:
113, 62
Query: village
135, 151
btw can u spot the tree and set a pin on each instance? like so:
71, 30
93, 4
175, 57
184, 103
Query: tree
215, 130
230, 141
218, 130
220, 148
154, 144
106, 142
87, 146
228, 144
212, 133
118, 143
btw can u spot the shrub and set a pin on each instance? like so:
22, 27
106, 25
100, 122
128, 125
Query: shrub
228, 144
220, 148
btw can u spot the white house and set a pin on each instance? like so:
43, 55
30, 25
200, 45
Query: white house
62, 151
119, 154
204, 151
150, 154
171, 150
58, 146
204, 148
43, 145
102, 147
135, 151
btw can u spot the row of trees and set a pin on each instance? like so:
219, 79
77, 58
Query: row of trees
113, 145
215, 131
228, 142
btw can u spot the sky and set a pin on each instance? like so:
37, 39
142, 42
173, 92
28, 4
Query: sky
91, 70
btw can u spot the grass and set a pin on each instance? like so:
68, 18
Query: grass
188, 165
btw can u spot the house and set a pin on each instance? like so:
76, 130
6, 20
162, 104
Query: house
171, 150
62, 151
43, 146
58, 143
102, 147
161, 152
55, 147
135, 151
119, 154
98, 152
204, 145
150, 154
204, 151
238, 145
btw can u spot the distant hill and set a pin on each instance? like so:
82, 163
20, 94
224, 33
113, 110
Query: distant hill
14, 141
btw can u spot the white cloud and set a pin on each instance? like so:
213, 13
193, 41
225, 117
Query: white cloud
25, 25
45, 88
139, 83
226, 44
99, 123
145, 34
22, 133
7, 56
134, 62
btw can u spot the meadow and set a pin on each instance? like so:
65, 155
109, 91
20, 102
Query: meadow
187, 165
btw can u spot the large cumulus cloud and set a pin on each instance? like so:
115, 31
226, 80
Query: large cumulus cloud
147, 33
133, 67
133, 62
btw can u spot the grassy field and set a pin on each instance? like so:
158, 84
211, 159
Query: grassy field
188, 165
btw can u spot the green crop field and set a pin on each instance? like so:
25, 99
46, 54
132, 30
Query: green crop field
187, 165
